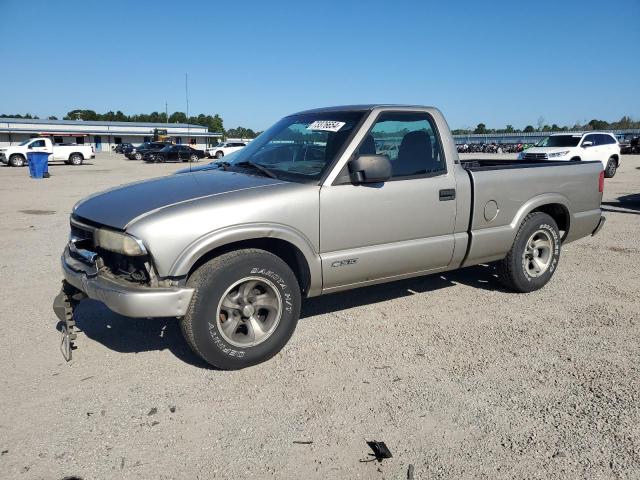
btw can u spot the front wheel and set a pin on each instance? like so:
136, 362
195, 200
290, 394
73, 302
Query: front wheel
219, 155
534, 255
244, 309
137, 156
612, 166
194, 158
16, 161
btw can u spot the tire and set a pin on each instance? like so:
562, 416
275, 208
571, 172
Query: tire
575, 159
194, 158
224, 279
17, 160
76, 159
158, 158
219, 155
137, 156
518, 271
612, 166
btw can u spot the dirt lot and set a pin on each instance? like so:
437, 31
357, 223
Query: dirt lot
460, 378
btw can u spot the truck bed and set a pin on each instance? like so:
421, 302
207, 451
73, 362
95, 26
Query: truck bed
503, 190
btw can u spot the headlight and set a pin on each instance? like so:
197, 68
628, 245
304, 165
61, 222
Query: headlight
558, 154
119, 242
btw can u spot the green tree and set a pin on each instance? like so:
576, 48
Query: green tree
529, 129
481, 128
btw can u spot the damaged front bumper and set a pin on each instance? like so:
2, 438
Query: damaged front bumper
120, 296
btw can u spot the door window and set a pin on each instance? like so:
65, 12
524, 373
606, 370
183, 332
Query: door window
410, 142
590, 138
37, 144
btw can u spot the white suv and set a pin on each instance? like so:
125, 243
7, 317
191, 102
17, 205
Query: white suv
226, 148
599, 146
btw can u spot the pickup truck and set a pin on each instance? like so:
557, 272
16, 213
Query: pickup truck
16, 155
231, 252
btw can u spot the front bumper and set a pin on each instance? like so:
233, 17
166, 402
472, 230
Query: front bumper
3, 158
123, 297
603, 219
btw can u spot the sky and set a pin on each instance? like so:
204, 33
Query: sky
252, 62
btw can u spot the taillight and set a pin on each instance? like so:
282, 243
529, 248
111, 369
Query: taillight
601, 182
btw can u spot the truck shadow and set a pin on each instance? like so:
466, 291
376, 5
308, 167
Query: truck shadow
479, 276
626, 202
135, 335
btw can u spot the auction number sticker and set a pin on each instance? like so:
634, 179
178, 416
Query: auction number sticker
326, 125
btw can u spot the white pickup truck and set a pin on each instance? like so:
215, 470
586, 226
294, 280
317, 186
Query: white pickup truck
16, 155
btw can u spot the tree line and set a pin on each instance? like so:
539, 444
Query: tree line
624, 123
214, 123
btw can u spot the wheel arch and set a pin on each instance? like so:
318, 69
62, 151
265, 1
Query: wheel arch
290, 246
75, 153
554, 205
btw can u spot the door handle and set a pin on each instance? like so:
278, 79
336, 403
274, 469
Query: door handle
447, 194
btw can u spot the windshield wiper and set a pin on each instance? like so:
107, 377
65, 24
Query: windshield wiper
256, 166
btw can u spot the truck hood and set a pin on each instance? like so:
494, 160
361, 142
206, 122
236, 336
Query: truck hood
120, 206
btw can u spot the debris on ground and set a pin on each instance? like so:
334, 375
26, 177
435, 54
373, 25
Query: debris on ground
303, 442
380, 450
410, 472
153, 411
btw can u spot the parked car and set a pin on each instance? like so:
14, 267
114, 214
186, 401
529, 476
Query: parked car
225, 148
16, 155
128, 148
600, 146
232, 252
137, 153
174, 153
121, 147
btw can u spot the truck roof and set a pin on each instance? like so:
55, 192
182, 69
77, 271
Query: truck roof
358, 108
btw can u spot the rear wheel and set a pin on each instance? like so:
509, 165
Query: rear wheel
612, 166
194, 158
16, 160
76, 159
534, 255
244, 309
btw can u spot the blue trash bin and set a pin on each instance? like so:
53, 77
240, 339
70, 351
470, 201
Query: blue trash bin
38, 164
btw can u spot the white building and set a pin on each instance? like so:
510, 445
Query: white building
102, 135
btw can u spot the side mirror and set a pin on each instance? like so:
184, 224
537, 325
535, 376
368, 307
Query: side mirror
370, 169
587, 143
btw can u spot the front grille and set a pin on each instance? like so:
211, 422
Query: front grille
535, 156
81, 233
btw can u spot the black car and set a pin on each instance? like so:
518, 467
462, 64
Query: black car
122, 147
138, 153
176, 153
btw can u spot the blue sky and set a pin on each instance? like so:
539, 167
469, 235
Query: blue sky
500, 62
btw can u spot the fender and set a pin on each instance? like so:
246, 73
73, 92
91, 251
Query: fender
539, 201
236, 233
490, 244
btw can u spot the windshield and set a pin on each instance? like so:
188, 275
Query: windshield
560, 141
300, 148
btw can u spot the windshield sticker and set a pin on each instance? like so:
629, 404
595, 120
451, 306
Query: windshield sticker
326, 125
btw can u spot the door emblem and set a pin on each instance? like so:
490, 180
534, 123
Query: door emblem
342, 263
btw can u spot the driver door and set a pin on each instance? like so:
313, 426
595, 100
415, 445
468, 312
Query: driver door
397, 228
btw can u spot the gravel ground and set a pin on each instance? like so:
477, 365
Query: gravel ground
460, 378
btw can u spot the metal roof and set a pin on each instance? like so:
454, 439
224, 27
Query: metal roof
359, 108
98, 122
113, 133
